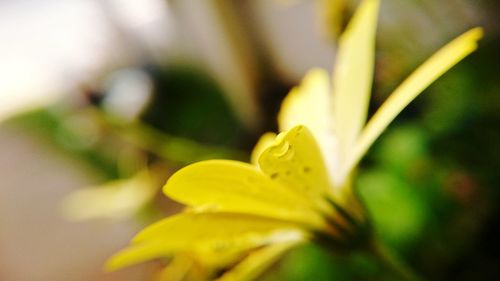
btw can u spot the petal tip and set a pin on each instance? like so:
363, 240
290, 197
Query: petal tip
475, 34
112, 264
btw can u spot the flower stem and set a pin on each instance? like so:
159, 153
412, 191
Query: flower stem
392, 262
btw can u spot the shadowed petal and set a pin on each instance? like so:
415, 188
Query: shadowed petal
353, 75
221, 234
256, 263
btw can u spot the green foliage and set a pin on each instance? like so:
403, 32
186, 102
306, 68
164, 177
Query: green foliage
54, 127
311, 262
187, 103
396, 203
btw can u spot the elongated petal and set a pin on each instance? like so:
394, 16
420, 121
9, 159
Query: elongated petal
186, 266
233, 186
192, 227
178, 268
264, 142
230, 256
310, 105
295, 160
220, 233
257, 263
420, 79
141, 253
353, 75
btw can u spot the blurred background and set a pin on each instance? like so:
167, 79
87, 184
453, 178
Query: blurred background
101, 100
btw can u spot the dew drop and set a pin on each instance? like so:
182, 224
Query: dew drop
281, 149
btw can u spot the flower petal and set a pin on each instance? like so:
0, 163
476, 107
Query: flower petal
256, 263
141, 253
181, 266
420, 79
353, 75
294, 160
310, 105
116, 199
233, 186
264, 142
221, 233
189, 226
297, 107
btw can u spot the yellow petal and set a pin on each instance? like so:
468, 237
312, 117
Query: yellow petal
140, 253
353, 75
308, 104
295, 161
420, 79
114, 200
187, 266
232, 186
257, 263
177, 269
264, 142
224, 258
204, 232
192, 227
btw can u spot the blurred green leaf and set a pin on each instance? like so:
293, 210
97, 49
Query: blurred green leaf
187, 103
398, 210
310, 262
64, 132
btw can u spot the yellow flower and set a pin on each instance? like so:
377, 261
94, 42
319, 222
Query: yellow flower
241, 217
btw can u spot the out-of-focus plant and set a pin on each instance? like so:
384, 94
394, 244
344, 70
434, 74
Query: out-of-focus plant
139, 181
130, 150
242, 217
116, 199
